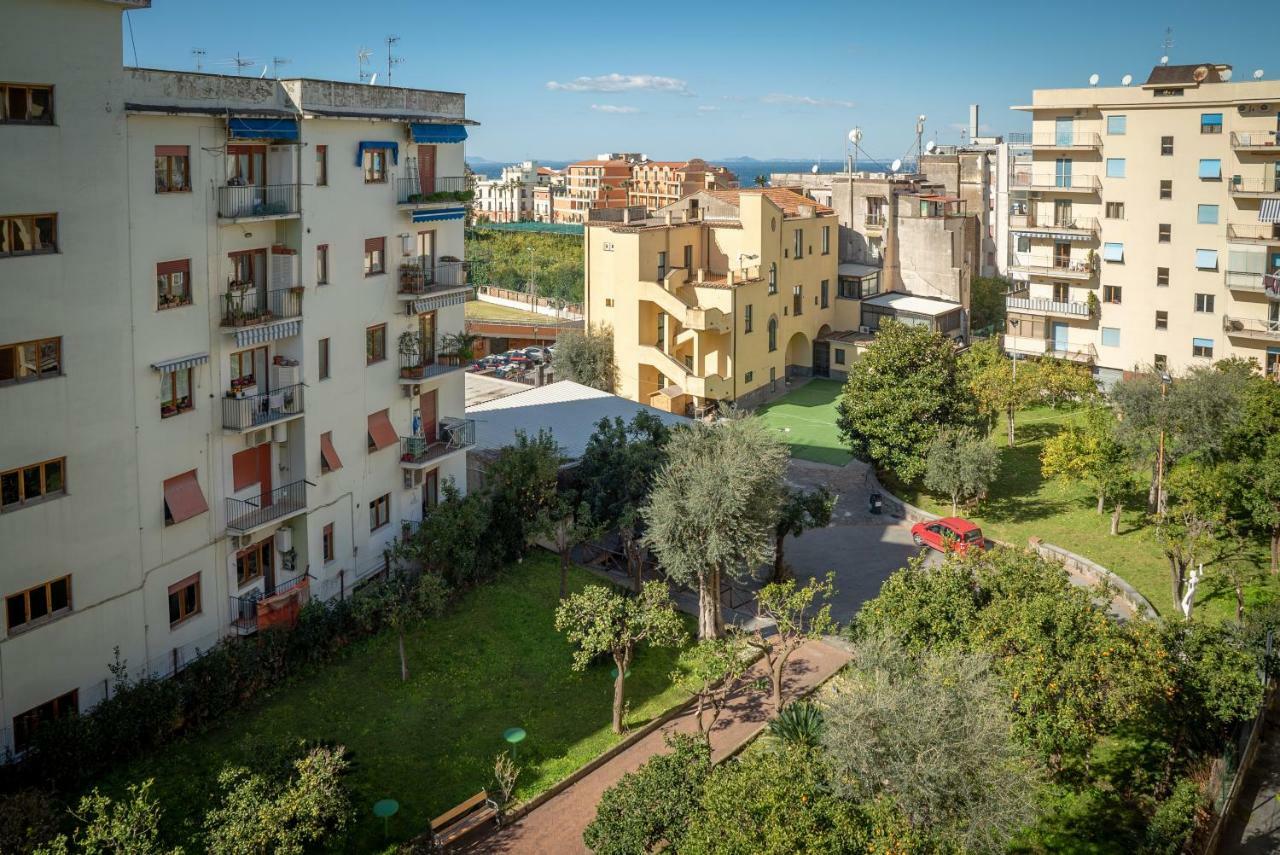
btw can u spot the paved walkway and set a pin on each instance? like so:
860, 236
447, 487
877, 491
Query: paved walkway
1254, 826
556, 825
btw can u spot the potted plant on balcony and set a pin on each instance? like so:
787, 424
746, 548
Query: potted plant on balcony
297, 290
409, 346
1095, 308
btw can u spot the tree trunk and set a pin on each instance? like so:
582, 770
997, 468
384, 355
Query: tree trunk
1115, 519
1275, 550
955, 500
619, 690
710, 624
1102, 502
404, 661
775, 668
1009, 413
1155, 484
1239, 603
1178, 580
564, 573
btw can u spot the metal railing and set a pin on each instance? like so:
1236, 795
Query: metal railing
1255, 139
1052, 264
419, 276
245, 515
1075, 139
1240, 184
260, 306
1268, 232
1263, 327
875, 220
1022, 300
1240, 280
414, 191
244, 610
424, 366
1054, 223
1054, 181
250, 411
257, 200
451, 435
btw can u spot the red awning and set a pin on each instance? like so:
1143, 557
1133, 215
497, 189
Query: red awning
381, 433
183, 498
328, 453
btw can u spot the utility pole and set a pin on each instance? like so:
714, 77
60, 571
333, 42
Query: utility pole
199, 53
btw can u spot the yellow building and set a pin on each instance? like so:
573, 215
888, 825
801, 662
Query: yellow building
719, 297
1150, 234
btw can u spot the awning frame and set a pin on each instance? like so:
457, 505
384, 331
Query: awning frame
180, 363
242, 128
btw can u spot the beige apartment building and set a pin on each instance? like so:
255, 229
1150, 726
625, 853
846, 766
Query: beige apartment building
1150, 235
657, 183
222, 303
599, 183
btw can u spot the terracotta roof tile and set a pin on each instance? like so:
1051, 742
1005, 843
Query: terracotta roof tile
788, 200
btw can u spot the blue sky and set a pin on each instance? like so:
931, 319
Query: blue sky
714, 79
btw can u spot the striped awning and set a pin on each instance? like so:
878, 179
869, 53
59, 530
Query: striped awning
262, 129
439, 301
181, 363
445, 214
1270, 211
268, 332
428, 133
1053, 235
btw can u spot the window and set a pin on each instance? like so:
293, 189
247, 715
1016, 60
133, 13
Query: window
1207, 259
1165, 233
322, 165
1159, 362
1116, 126
1115, 167
40, 359
1162, 277
1210, 123
839, 355
375, 252
322, 264
1166, 189
173, 169
32, 483
662, 265
1061, 292
1202, 347
1166, 146
1162, 319
379, 512
608, 302
1113, 252
175, 392
1207, 215
750, 375
746, 318
799, 249
797, 300
28, 234
1211, 169
1024, 243
773, 277
329, 460
1111, 294
824, 292
1115, 210
41, 603
173, 284
26, 104
1204, 303
326, 543
1110, 336
24, 725
688, 257
375, 166
375, 344
773, 334
826, 240
184, 600
255, 562
323, 359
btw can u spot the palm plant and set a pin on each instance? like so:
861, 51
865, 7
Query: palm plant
460, 344
799, 724
761, 181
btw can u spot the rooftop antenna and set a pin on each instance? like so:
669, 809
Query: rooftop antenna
855, 137
1093, 79
276, 62
896, 165
241, 63
919, 141
199, 53
1126, 80
1257, 74
362, 60
392, 61
1166, 44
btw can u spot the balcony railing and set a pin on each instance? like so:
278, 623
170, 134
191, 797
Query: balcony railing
1260, 186
1052, 181
244, 610
875, 221
419, 276
242, 411
1021, 300
452, 435
245, 515
1253, 327
1260, 232
1256, 139
259, 306
424, 366
1048, 347
1074, 139
1239, 280
257, 200
1054, 223
425, 191
1053, 265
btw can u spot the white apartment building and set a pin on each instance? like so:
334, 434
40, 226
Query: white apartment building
1150, 236
223, 385
510, 197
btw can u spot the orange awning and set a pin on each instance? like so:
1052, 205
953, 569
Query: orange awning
328, 453
381, 433
183, 498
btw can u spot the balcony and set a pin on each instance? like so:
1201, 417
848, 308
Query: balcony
1022, 301
260, 609
1241, 186
1256, 142
1073, 141
1053, 183
875, 222
1025, 345
1076, 226
417, 193
248, 515
257, 202
1263, 233
423, 363
1053, 266
421, 276
417, 452
1258, 328
244, 410
256, 306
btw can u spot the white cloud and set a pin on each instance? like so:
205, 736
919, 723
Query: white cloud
805, 101
707, 108
613, 108
623, 83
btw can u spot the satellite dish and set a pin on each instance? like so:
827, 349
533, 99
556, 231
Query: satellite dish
1257, 74
895, 166
1225, 74
814, 169
930, 146
1093, 79
855, 136
922, 117
1200, 73
1164, 60
1126, 80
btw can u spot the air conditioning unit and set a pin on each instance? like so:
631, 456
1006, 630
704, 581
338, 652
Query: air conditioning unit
257, 437
865, 330
244, 541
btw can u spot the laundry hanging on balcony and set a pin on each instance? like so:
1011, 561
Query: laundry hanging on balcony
262, 129
1269, 212
1271, 285
427, 133
368, 145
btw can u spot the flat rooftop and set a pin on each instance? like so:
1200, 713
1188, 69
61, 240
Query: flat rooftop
913, 304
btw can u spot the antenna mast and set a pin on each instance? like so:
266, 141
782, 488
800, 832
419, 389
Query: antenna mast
362, 61
1168, 40
241, 63
276, 62
199, 53
392, 61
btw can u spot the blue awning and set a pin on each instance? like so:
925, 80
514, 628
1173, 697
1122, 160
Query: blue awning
368, 144
1207, 259
444, 214
438, 133
262, 129
1211, 168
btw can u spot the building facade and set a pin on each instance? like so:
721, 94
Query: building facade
1150, 236
248, 282
657, 183
510, 197
599, 183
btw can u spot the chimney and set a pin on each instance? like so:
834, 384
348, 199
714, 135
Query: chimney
973, 121
728, 279
666, 217
626, 216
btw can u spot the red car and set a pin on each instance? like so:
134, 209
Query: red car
949, 534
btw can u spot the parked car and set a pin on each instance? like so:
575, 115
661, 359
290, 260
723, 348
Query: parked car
949, 534
516, 356
537, 354
493, 360
512, 371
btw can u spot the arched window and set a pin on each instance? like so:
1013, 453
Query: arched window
773, 277
773, 334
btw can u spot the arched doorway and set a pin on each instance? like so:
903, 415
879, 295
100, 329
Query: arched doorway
822, 353
799, 356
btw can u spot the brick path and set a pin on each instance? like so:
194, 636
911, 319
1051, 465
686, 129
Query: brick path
556, 825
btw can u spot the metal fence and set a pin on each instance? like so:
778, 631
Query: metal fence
247, 514
257, 200
253, 410
260, 306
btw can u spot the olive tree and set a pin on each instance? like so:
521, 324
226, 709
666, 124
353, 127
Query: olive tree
792, 616
586, 357
961, 465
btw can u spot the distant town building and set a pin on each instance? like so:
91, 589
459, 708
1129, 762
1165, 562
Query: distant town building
600, 183
510, 197
655, 183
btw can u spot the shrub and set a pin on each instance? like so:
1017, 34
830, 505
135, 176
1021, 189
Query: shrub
799, 724
27, 818
131, 826
1175, 820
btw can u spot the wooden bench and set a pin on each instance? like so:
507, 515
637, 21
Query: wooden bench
466, 817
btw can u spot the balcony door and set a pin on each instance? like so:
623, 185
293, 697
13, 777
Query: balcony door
1062, 213
246, 165
428, 416
427, 168
1058, 332
1064, 131
427, 246
1062, 172
427, 337
1062, 255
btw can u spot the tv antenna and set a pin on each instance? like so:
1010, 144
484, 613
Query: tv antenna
392, 61
362, 61
199, 53
241, 63
1166, 43
1126, 80
1257, 74
276, 62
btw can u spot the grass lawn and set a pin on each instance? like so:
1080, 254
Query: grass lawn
494, 662
1023, 504
807, 418
481, 310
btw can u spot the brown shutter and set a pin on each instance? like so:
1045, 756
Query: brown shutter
172, 151
381, 431
183, 496
244, 469
329, 453
165, 267
372, 244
